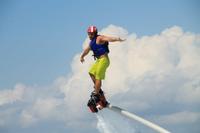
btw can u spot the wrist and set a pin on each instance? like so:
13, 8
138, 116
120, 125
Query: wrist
117, 39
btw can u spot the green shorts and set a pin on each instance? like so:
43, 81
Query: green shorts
98, 69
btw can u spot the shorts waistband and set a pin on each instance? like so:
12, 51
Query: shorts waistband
102, 56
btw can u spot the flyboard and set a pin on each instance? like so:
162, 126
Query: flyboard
98, 102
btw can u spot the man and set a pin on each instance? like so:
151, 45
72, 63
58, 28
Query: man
99, 46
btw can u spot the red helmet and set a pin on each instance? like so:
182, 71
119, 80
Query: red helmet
92, 29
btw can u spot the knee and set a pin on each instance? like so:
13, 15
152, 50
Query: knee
98, 82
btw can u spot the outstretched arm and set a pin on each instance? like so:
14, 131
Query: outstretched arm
85, 52
102, 39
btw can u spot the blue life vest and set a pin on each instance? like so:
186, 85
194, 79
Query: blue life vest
98, 49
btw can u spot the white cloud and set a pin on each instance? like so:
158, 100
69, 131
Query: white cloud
145, 73
41, 109
148, 74
10, 96
27, 119
184, 117
189, 93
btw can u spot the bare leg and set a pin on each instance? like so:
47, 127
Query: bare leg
92, 77
97, 85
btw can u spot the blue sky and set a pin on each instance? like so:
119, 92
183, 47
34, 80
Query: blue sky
40, 72
39, 38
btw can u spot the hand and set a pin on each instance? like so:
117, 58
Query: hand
82, 59
121, 40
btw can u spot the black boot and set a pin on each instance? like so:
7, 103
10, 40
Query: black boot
92, 102
92, 105
95, 97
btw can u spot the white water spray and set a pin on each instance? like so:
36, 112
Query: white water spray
109, 122
102, 126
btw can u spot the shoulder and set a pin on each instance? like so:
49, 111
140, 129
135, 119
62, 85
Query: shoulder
101, 36
100, 39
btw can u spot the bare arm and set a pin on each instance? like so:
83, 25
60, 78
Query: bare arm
85, 52
102, 39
